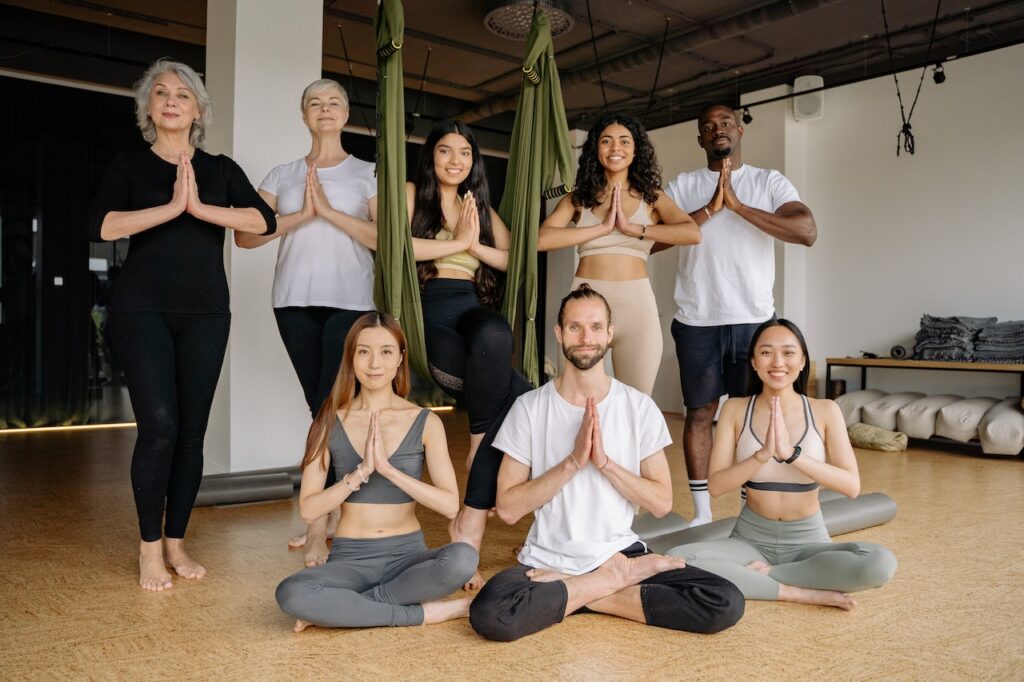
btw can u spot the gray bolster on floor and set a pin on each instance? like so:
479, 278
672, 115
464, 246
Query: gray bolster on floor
239, 488
842, 515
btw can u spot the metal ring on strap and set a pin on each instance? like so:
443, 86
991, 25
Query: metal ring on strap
389, 50
531, 75
556, 192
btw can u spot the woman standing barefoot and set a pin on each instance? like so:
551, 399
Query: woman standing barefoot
169, 313
379, 571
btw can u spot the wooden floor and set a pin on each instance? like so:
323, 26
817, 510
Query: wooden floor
71, 608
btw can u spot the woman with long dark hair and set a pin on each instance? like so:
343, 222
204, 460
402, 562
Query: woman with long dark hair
461, 247
379, 571
780, 549
616, 212
169, 314
324, 276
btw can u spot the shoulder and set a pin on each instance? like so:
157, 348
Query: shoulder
824, 410
221, 162
685, 180
362, 168
290, 167
733, 408
635, 398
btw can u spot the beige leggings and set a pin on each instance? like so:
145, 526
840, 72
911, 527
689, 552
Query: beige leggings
637, 345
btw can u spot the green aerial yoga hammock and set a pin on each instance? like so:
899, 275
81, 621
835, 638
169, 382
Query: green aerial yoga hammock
540, 140
396, 286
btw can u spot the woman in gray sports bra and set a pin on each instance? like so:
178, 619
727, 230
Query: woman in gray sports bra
379, 571
771, 443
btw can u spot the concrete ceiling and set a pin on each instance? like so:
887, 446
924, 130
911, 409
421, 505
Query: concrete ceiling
713, 49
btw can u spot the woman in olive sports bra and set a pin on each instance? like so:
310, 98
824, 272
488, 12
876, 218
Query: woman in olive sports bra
617, 212
379, 571
782, 445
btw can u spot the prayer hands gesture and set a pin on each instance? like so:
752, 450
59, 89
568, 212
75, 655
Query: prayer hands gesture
308, 210
622, 223
589, 445
373, 452
777, 442
725, 196
467, 230
185, 196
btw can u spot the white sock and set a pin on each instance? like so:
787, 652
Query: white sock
701, 502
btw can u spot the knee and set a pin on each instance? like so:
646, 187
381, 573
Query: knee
158, 432
487, 333
290, 594
460, 560
486, 620
726, 610
877, 567
703, 416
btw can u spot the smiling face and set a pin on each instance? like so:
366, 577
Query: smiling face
377, 357
453, 159
720, 133
585, 332
615, 148
778, 358
325, 110
172, 106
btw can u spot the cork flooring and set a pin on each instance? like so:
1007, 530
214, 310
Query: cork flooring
70, 608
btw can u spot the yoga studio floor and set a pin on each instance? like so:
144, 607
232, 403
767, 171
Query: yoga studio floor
71, 607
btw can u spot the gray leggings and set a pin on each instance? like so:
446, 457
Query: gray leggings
376, 581
799, 552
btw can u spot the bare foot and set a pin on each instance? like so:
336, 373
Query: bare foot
441, 611
759, 566
475, 583
543, 575
300, 625
180, 561
316, 554
628, 571
153, 573
806, 595
297, 541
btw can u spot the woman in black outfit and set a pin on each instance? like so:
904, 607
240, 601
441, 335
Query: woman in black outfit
461, 246
169, 315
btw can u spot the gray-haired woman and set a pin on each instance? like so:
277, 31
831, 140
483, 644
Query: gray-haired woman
169, 315
323, 281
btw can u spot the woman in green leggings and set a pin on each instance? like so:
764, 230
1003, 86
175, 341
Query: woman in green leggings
782, 446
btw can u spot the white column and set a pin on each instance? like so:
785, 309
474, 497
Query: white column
260, 54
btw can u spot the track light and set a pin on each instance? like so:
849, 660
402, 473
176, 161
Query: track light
938, 75
747, 118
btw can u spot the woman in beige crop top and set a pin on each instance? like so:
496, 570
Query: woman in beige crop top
614, 215
782, 445
379, 571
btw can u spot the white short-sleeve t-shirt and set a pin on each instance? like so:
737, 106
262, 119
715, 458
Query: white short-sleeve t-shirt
588, 520
728, 277
318, 264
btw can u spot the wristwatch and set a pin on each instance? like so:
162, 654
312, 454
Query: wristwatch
792, 458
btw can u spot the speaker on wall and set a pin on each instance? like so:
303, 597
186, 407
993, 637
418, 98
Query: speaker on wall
809, 107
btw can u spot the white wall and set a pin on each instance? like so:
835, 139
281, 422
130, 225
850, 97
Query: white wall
939, 232
260, 418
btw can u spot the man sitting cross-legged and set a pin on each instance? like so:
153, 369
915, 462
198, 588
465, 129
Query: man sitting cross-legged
582, 452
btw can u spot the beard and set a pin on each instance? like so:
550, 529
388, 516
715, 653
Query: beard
719, 153
584, 362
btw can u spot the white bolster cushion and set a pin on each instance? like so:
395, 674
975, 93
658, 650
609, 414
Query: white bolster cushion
1002, 429
882, 412
959, 421
850, 404
917, 419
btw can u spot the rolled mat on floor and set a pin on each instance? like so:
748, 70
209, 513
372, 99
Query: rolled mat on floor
842, 515
239, 488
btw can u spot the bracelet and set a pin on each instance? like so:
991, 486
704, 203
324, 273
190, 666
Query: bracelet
792, 458
344, 479
359, 472
606, 460
707, 212
575, 462
643, 231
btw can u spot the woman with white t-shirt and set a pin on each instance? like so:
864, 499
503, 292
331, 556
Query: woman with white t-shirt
324, 276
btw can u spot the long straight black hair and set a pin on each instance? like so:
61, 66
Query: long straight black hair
754, 383
428, 219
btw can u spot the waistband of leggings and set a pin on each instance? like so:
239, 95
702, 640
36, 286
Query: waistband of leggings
752, 520
445, 284
387, 544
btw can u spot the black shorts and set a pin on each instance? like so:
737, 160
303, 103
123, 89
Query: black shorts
713, 361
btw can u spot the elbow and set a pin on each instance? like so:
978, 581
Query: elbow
810, 235
451, 508
662, 508
853, 491
697, 236
306, 512
506, 514
716, 489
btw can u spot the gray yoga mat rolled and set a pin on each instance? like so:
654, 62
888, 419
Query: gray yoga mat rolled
842, 515
239, 488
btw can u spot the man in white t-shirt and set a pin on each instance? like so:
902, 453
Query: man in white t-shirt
582, 453
724, 284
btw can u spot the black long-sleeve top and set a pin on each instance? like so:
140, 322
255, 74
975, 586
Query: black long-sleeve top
176, 267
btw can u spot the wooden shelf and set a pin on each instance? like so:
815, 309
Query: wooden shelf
935, 365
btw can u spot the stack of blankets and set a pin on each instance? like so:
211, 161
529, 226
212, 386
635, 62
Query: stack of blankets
1003, 342
969, 339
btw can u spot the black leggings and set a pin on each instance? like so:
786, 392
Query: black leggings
171, 365
511, 606
315, 340
469, 348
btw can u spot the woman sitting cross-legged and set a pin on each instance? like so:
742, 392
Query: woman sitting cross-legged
780, 549
379, 571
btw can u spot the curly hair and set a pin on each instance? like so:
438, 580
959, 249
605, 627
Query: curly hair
428, 218
644, 175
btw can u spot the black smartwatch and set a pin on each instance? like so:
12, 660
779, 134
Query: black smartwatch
792, 458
